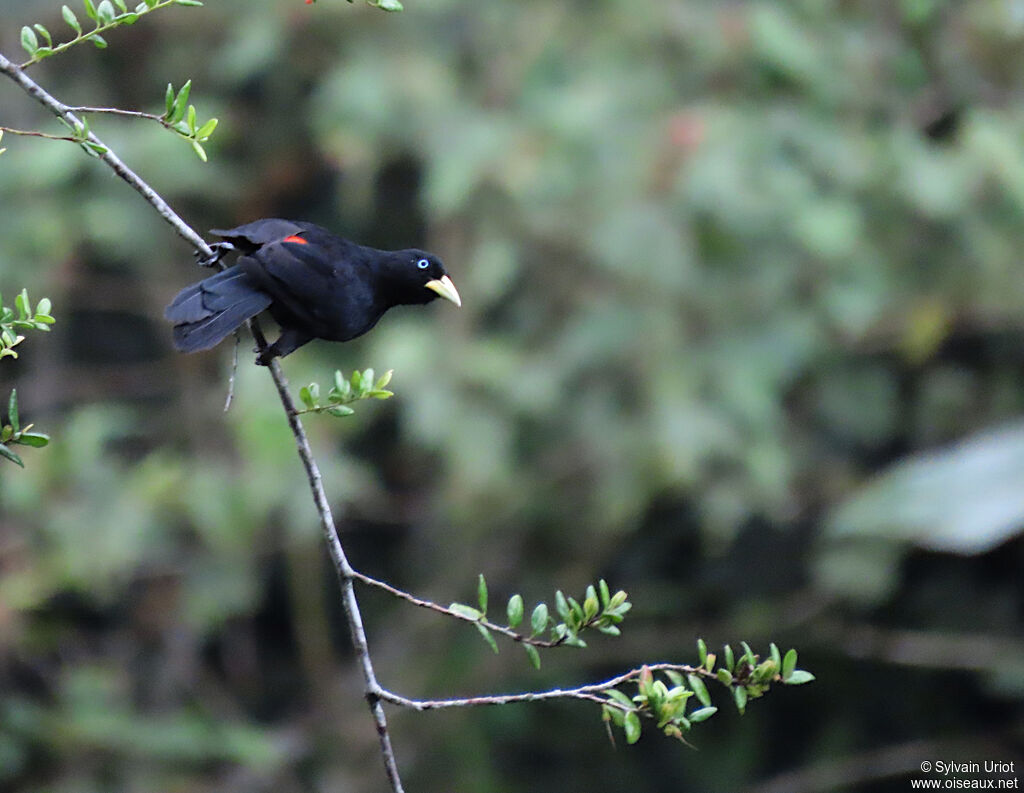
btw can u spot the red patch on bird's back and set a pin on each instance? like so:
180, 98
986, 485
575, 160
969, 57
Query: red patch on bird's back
296, 239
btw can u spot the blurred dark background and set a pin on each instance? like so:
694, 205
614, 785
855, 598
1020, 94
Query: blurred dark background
742, 333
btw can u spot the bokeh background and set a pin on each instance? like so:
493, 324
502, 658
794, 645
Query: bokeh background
742, 333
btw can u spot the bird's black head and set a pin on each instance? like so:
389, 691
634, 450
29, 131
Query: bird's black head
415, 276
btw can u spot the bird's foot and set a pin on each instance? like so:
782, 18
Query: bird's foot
265, 355
220, 250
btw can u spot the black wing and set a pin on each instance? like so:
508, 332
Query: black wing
251, 236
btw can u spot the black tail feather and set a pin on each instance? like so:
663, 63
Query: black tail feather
205, 312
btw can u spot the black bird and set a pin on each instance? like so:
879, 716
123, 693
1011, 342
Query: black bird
315, 284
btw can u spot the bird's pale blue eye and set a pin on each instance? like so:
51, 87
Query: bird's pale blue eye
423, 264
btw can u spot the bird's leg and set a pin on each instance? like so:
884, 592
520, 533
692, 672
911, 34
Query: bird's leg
220, 250
289, 341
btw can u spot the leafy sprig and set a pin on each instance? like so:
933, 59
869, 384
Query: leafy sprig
12, 433
361, 385
21, 317
105, 15
600, 610
183, 121
664, 701
179, 116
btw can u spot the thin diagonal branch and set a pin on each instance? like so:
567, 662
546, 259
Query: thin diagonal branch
590, 693
432, 606
346, 574
31, 133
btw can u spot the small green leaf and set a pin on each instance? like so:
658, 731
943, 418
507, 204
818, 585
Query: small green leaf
367, 379
5, 452
207, 129
191, 119
29, 40
788, 665
465, 611
90, 10
561, 605
168, 99
383, 380
43, 307
180, 104
341, 410
798, 677
622, 699
739, 695
515, 611
614, 715
380, 394
606, 596
481, 593
306, 397
776, 655
12, 411
539, 618
723, 676
533, 655
38, 440
188, 3
105, 11
730, 659
631, 726
702, 651
764, 670
702, 714
44, 33
99, 41
71, 19
199, 150
698, 688
487, 637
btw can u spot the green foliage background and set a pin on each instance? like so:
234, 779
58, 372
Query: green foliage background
741, 333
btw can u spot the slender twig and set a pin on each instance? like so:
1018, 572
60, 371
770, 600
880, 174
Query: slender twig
346, 574
115, 111
591, 692
432, 606
234, 370
33, 134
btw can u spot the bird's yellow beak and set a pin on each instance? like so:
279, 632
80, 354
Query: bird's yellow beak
445, 288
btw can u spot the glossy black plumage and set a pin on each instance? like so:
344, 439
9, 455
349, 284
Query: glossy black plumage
315, 284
